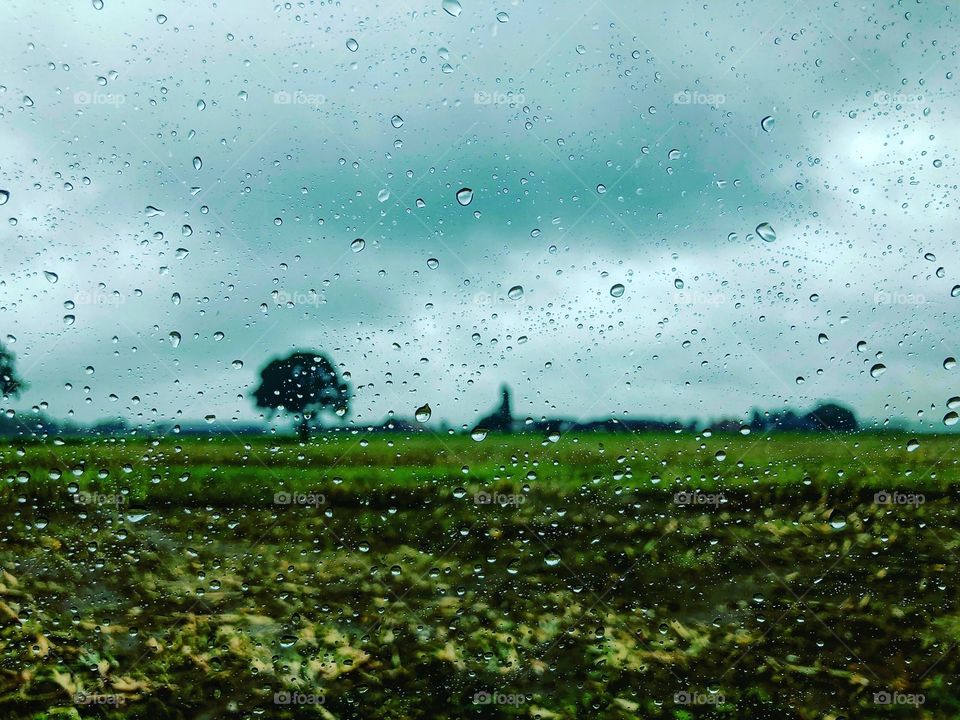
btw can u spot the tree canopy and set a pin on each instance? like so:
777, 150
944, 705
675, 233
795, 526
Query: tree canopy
304, 383
10, 383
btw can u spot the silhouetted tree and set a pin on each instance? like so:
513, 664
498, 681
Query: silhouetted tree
832, 417
10, 384
304, 383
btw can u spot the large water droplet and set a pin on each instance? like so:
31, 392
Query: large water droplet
161, 19
878, 370
452, 7
465, 196
617, 290
551, 559
515, 293
766, 232
175, 338
52, 277
423, 413
352, 45
396, 121
951, 418
5, 195
197, 163
358, 245
767, 123
949, 363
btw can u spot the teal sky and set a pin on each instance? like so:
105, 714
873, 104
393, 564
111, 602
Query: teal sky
606, 143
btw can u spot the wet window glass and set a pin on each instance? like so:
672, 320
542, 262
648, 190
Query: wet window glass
458, 359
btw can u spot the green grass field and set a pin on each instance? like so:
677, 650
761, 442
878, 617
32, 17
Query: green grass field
615, 576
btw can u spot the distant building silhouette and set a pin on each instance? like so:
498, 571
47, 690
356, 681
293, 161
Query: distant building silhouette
501, 420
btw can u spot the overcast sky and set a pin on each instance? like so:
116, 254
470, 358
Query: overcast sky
230, 153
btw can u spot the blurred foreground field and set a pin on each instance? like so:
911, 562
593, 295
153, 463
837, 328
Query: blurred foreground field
614, 576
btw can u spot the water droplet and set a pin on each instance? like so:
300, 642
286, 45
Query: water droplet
352, 45
767, 123
954, 403
601, 189
452, 7
5, 195
878, 370
69, 319
839, 524
358, 245
186, 231
766, 232
288, 641
433, 263
161, 19
581, 50
949, 363
954, 291
197, 163
479, 434
678, 284
423, 413
912, 444
98, 4
503, 17
363, 546
52, 277
152, 211
28, 101
396, 121
822, 338
951, 418
515, 293
617, 290
175, 338
720, 455
175, 298
383, 195
465, 196
237, 364
552, 559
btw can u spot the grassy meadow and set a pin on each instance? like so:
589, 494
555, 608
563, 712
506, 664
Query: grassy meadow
394, 576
